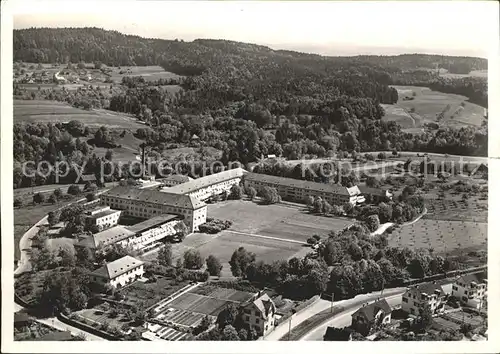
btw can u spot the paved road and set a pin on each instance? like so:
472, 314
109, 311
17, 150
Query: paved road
55, 323
322, 305
344, 318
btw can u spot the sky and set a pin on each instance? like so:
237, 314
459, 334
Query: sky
328, 27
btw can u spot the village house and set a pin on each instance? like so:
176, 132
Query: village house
471, 290
103, 217
371, 316
174, 180
208, 186
298, 190
118, 273
259, 314
146, 203
416, 297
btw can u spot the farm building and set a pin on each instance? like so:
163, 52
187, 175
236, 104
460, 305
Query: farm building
118, 273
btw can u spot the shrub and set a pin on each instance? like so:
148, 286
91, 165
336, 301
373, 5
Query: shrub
213, 226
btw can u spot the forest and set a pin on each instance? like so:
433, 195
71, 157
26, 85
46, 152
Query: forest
246, 100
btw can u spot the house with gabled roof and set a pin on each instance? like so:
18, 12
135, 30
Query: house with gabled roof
118, 273
471, 289
370, 316
260, 313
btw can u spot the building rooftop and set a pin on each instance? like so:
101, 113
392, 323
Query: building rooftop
429, 288
152, 222
370, 311
107, 237
88, 178
206, 181
151, 196
307, 185
116, 268
20, 317
176, 178
374, 191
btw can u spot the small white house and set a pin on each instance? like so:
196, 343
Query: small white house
119, 273
260, 314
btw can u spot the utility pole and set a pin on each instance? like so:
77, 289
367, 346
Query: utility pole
331, 307
289, 328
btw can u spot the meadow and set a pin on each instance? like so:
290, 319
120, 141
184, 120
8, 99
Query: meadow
442, 236
419, 105
149, 73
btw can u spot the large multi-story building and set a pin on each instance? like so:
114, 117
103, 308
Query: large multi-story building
259, 314
416, 297
118, 273
471, 290
103, 217
298, 190
205, 187
145, 203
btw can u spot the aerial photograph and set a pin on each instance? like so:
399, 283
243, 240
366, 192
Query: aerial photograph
250, 172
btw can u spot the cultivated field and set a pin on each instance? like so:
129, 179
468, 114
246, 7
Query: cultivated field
427, 104
443, 236
457, 210
51, 111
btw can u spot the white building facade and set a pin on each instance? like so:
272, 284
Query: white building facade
208, 186
103, 217
144, 203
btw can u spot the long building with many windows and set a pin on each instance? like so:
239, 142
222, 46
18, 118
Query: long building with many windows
298, 190
144, 203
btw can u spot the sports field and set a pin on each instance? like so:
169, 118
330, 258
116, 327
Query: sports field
51, 111
419, 105
190, 308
